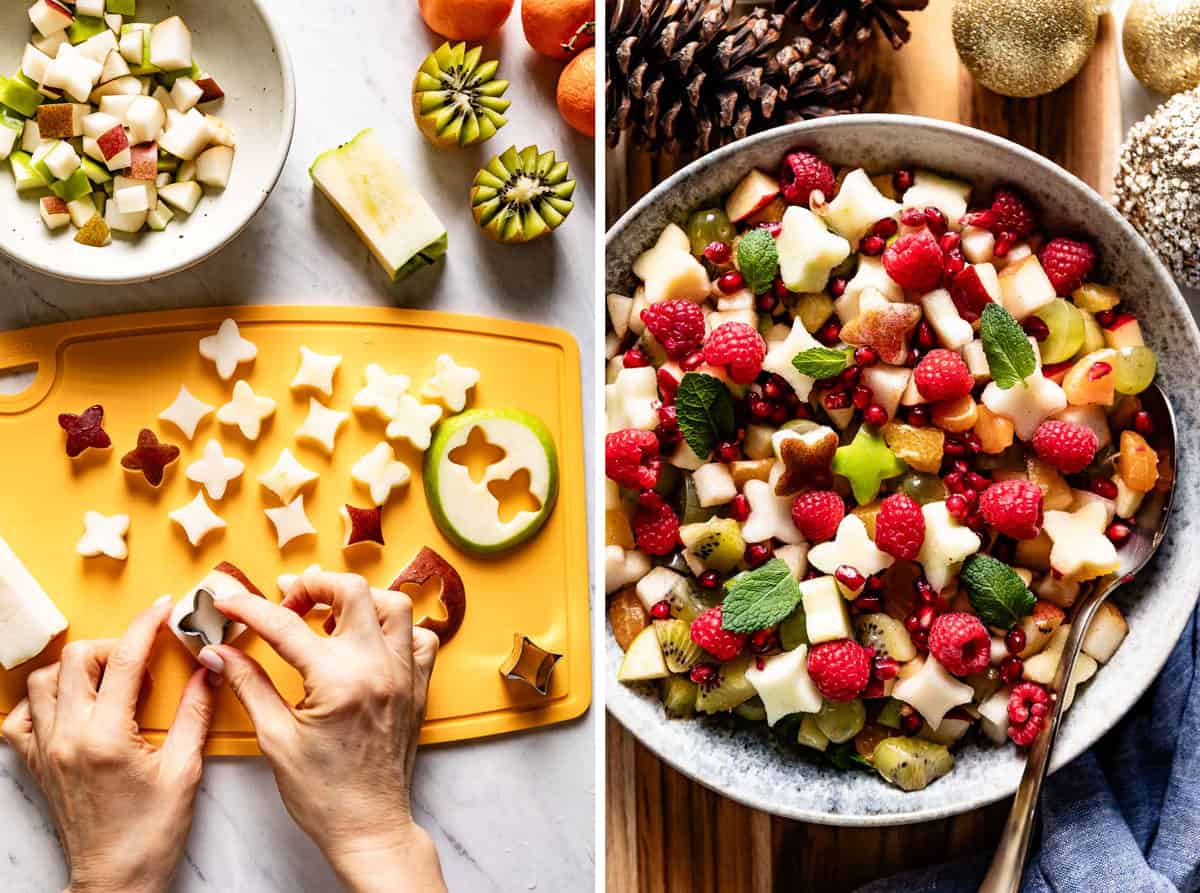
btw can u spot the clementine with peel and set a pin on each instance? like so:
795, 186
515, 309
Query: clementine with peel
465, 19
559, 28
577, 92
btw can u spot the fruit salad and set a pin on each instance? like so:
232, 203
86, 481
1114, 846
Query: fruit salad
104, 121
869, 435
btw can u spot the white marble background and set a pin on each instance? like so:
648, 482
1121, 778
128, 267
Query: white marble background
513, 813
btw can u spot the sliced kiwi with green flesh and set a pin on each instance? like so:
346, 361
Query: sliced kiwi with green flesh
729, 689
522, 195
456, 98
793, 631
810, 734
679, 696
717, 542
886, 635
691, 511
675, 637
841, 721
752, 710
912, 763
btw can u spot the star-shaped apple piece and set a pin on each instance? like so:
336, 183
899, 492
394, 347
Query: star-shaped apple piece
380, 472
770, 515
805, 459
288, 477
85, 431
947, 545
808, 251
866, 462
427, 565
779, 358
882, 325
227, 349
321, 426
414, 422
215, 470
382, 392
186, 413
150, 457
197, 519
1080, 549
290, 521
316, 371
246, 410
1027, 404
104, 535
853, 547
363, 526
932, 691
450, 382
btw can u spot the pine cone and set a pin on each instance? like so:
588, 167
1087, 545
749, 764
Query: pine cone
685, 78
849, 23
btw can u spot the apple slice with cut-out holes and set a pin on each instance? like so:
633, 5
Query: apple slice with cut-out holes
469, 505
427, 565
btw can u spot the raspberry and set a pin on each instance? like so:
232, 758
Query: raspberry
961, 643
900, 527
803, 172
1027, 708
840, 670
655, 526
942, 375
1008, 213
631, 458
1014, 508
915, 261
1068, 447
738, 346
969, 295
817, 514
709, 635
678, 326
1067, 263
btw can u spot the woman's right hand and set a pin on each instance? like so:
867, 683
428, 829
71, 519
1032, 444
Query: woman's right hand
343, 757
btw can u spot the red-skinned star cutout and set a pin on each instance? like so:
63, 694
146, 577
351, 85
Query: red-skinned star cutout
150, 457
85, 431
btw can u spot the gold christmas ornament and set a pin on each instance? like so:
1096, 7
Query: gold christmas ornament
1024, 47
1162, 43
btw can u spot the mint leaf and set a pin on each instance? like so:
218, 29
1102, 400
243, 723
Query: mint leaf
758, 259
997, 594
704, 410
822, 362
760, 598
1009, 353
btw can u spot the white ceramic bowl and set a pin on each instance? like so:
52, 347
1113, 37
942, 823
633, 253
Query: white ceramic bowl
237, 42
750, 766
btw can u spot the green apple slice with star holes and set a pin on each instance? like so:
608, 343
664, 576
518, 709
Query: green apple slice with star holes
466, 509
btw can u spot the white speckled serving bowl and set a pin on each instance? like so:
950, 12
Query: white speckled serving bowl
236, 41
749, 766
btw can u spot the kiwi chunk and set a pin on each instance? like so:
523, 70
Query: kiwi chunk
886, 635
912, 763
675, 637
456, 98
717, 542
752, 710
523, 195
678, 696
728, 690
841, 721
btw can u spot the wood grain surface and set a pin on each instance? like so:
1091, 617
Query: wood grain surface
667, 834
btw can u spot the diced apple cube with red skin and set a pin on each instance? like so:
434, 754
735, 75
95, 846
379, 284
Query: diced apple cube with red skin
186, 136
93, 8
49, 44
132, 46
126, 86
132, 199
185, 94
145, 120
214, 165
754, 193
114, 67
120, 161
34, 63
112, 143
81, 210
94, 233
31, 137
1025, 287
124, 222
98, 46
144, 161
171, 45
117, 104
73, 73
186, 172
164, 98
1125, 332
219, 132
159, 216
54, 212
62, 161
49, 16
210, 90
181, 196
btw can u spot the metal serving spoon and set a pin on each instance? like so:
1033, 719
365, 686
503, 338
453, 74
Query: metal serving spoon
1008, 865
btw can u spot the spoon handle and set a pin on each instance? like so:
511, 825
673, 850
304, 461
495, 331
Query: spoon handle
1008, 864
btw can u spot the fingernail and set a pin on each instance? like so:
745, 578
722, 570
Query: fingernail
211, 661
162, 600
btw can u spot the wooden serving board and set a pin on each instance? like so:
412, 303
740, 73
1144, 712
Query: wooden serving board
134, 365
668, 834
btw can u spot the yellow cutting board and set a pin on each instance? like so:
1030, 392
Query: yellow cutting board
134, 365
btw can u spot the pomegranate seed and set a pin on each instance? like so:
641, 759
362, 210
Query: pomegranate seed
850, 375
772, 391
780, 290
865, 356
661, 610
1010, 669
774, 227
758, 553
925, 592
710, 580
766, 302
956, 505
759, 408
885, 228
1143, 423
718, 253
976, 481
925, 336
925, 616
727, 452
739, 508
1103, 487
1106, 318
875, 583
692, 362
874, 689
920, 640
667, 383
949, 241
1119, 319
1099, 370
918, 416
872, 246
867, 604
837, 400
954, 263
850, 577
1118, 532
830, 333
902, 181
780, 415
962, 467
862, 397
801, 411
1015, 640
953, 446
763, 640
911, 723
936, 221
837, 287
886, 668
703, 674
1035, 327
971, 498
1004, 243
668, 418
635, 358
730, 282
875, 415
954, 482
912, 217
973, 443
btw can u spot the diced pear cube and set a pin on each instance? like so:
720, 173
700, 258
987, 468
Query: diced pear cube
622, 567
214, 166
825, 614
171, 45
81, 210
1025, 287
185, 94
714, 484
1107, 632
952, 330
122, 222
185, 196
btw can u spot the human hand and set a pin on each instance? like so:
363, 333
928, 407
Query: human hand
123, 808
343, 757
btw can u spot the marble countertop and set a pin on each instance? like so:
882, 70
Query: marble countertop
511, 813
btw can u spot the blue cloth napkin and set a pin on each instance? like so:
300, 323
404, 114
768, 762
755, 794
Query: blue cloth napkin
1122, 818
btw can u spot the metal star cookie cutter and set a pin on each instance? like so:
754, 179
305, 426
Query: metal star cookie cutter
196, 624
528, 662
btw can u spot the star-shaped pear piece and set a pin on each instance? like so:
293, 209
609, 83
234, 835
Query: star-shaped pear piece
1027, 404
246, 410
851, 546
228, 349
866, 462
290, 521
882, 325
382, 392
947, 545
414, 422
197, 519
186, 413
288, 477
380, 472
321, 426
770, 515
316, 372
669, 270
104, 535
808, 251
1081, 551
805, 458
932, 692
779, 358
215, 470
450, 382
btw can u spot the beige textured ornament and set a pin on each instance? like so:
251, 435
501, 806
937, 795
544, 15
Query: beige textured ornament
1024, 47
1162, 43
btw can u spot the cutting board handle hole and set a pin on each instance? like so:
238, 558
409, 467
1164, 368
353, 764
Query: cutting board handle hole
18, 379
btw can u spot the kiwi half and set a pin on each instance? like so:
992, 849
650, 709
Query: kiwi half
675, 637
522, 195
456, 98
729, 689
886, 635
911, 763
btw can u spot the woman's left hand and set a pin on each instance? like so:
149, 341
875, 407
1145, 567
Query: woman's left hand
122, 806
